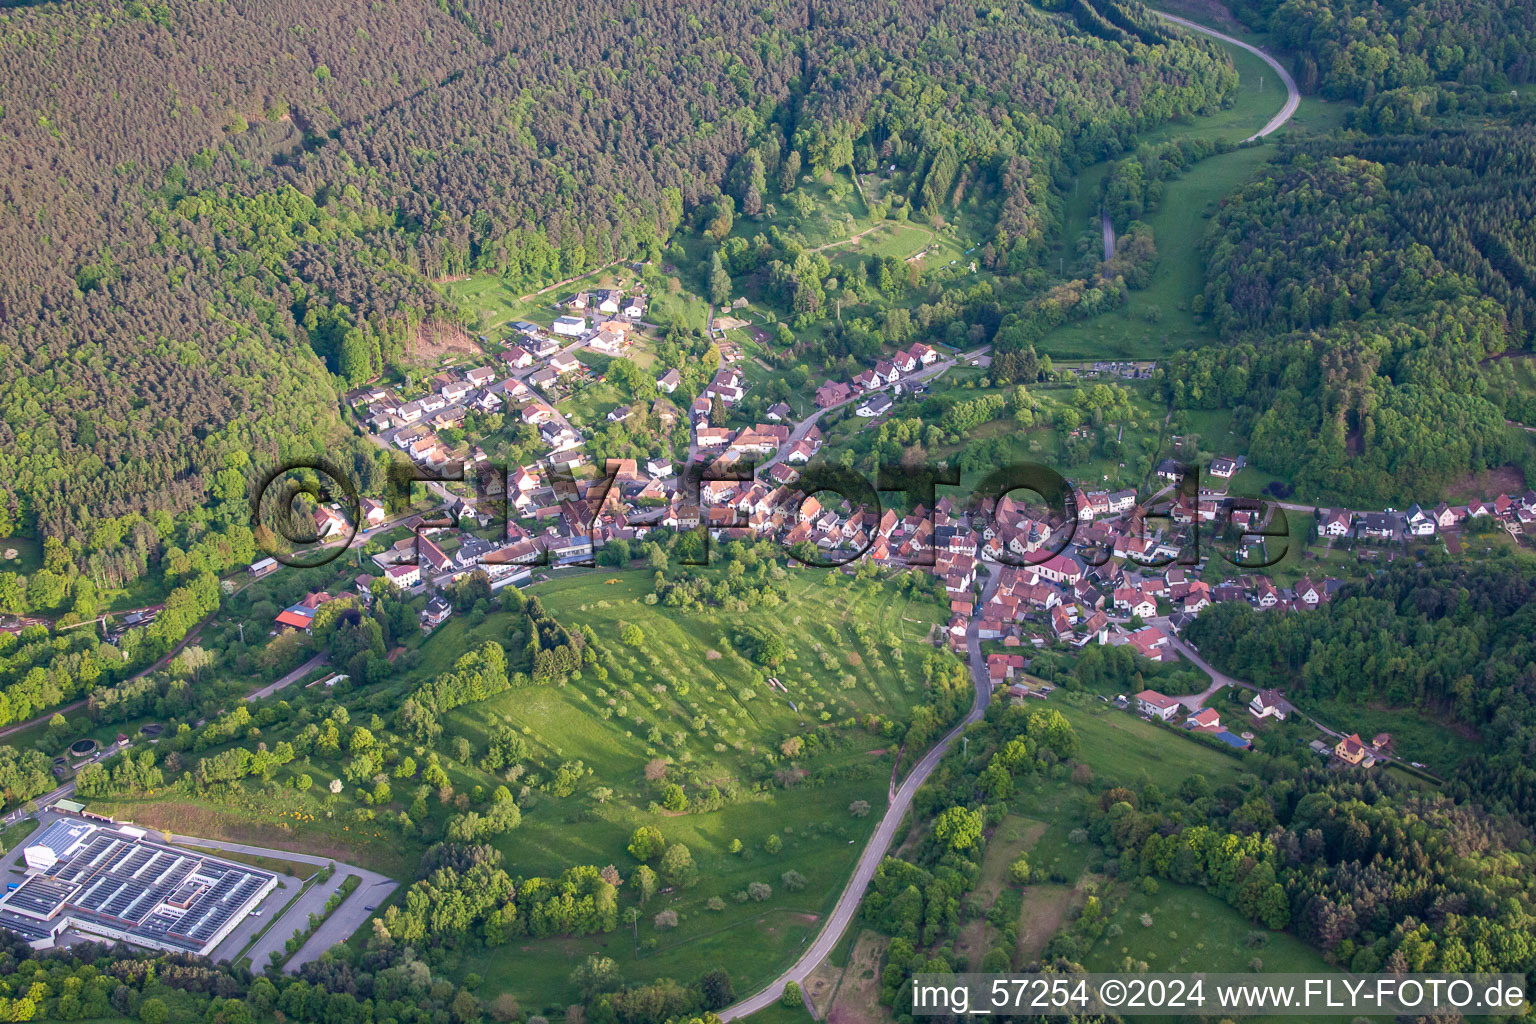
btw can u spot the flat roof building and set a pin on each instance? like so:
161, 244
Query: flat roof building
112, 882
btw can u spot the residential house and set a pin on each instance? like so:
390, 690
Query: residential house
1267, 704
480, 376
372, 511
1156, 705
609, 343
832, 393
1378, 525
570, 326
1206, 720
436, 612
1420, 522
1351, 750
1335, 523
668, 381
1224, 467
878, 405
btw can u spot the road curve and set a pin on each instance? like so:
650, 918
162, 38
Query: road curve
874, 851
1292, 94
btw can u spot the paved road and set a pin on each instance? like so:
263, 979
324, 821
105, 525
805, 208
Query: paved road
292, 677
346, 920
1195, 701
1292, 94
804, 426
874, 851
1109, 235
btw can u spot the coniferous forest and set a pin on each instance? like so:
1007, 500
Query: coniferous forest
208, 202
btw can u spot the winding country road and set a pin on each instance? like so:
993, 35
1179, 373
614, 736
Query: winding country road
1292, 94
874, 851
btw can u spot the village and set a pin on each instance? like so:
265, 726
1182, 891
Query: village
1117, 568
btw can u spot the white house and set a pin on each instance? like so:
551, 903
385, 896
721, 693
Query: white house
404, 576
1267, 704
570, 326
1155, 705
878, 405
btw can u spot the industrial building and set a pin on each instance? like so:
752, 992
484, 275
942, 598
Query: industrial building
112, 882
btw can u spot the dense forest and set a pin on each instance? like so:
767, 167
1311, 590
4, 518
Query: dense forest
1451, 641
1377, 875
208, 203
1365, 285
1358, 48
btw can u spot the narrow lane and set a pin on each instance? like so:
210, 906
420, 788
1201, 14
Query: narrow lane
1292, 94
875, 850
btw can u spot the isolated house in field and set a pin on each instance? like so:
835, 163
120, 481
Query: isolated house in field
1223, 467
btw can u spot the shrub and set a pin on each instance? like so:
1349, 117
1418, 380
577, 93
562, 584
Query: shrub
790, 997
665, 920
759, 891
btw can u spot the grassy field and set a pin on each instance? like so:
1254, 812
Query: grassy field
1182, 928
1158, 319
1415, 736
1119, 745
497, 302
686, 679
14, 835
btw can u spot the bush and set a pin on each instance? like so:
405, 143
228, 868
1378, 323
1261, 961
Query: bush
791, 995
759, 891
793, 881
859, 808
665, 920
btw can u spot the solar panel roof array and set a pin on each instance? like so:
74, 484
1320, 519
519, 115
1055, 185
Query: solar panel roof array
126, 886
